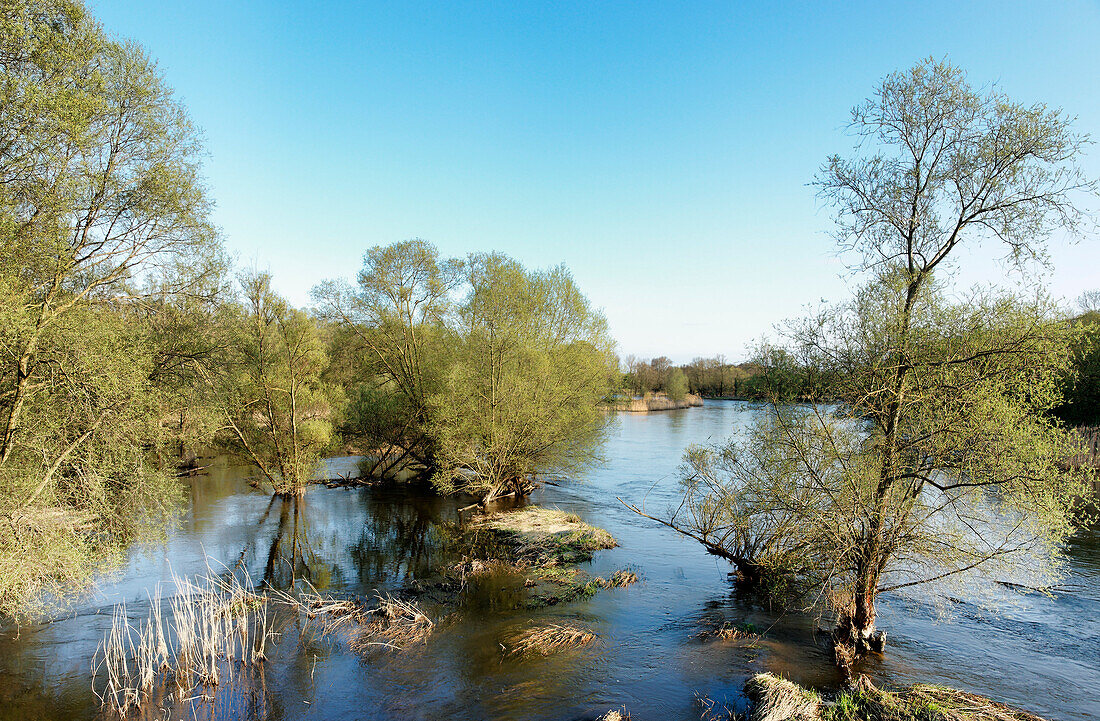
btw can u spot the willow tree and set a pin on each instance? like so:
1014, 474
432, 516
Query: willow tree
532, 361
396, 317
99, 190
277, 409
941, 458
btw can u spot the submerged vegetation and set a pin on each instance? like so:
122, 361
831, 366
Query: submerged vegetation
548, 639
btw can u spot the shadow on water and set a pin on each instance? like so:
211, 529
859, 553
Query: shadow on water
650, 653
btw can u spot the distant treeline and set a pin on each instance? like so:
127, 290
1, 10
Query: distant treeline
717, 378
773, 373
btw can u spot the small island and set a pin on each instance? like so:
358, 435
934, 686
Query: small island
656, 402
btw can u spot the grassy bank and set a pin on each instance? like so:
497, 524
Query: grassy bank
533, 548
776, 699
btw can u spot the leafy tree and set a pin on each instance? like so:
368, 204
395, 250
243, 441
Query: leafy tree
278, 411
940, 458
1081, 386
532, 362
677, 386
99, 192
396, 315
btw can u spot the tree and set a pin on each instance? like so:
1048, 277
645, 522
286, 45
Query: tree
940, 458
677, 386
100, 191
397, 315
1089, 302
1081, 385
532, 363
278, 411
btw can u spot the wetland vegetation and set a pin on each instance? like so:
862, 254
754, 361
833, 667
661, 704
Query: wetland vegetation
159, 407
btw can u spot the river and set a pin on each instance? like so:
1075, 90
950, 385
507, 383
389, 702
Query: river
1040, 653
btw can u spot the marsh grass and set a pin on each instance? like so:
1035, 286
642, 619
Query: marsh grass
394, 624
211, 629
726, 631
549, 639
922, 702
776, 699
616, 715
621, 579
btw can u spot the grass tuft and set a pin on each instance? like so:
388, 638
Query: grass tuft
549, 639
213, 626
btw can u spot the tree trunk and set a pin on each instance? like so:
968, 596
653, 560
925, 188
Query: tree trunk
855, 635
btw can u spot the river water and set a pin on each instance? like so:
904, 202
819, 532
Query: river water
1038, 652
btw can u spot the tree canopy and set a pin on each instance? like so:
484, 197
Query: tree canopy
104, 221
936, 454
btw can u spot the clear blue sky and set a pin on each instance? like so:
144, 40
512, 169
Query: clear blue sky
660, 150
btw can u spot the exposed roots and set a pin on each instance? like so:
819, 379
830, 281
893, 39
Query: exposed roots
545, 640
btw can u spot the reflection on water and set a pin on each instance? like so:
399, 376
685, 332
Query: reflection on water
1040, 653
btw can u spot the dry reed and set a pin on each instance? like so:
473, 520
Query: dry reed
213, 626
394, 624
777, 699
545, 640
621, 579
615, 715
953, 705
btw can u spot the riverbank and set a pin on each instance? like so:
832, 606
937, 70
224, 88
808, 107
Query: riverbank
777, 699
650, 652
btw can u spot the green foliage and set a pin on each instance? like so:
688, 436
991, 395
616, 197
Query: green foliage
483, 392
1081, 386
278, 409
104, 229
532, 361
677, 386
936, 455
396, 315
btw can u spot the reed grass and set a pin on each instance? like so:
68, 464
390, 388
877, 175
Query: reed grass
621, 579
212, 627
545, 640
615, 715
395, 624
391, 623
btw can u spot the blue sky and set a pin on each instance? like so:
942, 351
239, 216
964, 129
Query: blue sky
660, 150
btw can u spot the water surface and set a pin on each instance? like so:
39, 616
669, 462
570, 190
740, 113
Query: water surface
1040, 653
